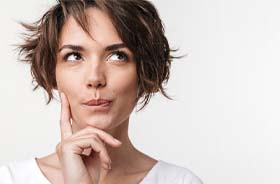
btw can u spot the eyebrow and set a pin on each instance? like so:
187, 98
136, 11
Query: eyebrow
80, 48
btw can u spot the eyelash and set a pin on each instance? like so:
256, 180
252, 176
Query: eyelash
120, 53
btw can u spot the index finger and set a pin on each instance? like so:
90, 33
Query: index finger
65, 118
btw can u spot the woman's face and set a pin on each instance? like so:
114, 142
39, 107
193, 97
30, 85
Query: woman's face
98, 68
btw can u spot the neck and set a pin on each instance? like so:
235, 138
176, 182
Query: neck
125, 159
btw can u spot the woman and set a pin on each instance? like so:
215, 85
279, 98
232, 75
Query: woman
102, 56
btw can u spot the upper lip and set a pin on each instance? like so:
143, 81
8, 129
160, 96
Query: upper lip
94, 102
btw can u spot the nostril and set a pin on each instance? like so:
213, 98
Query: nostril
90, 85
99, 85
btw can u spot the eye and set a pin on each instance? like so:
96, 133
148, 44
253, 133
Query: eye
72, 56
118, 56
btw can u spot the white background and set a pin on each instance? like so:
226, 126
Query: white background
224, 122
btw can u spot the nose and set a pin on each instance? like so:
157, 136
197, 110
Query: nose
95, 76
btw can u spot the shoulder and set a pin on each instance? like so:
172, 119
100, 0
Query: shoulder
23, 171
164, 172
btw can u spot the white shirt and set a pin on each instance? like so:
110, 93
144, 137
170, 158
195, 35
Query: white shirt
28, 172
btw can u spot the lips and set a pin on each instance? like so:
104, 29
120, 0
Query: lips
97, 102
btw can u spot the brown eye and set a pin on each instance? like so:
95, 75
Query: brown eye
118, 56
73, 56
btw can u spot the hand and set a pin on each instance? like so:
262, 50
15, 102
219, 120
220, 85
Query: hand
72, 146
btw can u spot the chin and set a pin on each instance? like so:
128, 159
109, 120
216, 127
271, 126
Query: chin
99, 122
103, 121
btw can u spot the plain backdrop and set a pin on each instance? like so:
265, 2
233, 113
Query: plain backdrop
224, 122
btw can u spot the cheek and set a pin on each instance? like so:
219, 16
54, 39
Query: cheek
125, 92
61, 75
125, 89
125, 82
68, 83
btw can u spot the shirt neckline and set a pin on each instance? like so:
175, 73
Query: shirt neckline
45, 179
41, 175
151, 171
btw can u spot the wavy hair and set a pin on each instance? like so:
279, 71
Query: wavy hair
137, 23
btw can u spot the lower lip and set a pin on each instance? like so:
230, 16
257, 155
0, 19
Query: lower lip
99, 108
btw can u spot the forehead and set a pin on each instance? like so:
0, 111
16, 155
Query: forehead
101, 29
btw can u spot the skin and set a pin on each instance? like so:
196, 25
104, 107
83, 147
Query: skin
88, 151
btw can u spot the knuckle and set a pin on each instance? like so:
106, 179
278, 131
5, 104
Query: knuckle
97, 147
96, 143
88, 130
65, 146
105, 157
94, 137
91, 130
98, 133
104, 151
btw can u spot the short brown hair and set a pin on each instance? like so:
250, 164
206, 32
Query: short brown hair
137, 23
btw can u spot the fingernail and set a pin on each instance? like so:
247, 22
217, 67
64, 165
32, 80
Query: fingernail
117, 141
